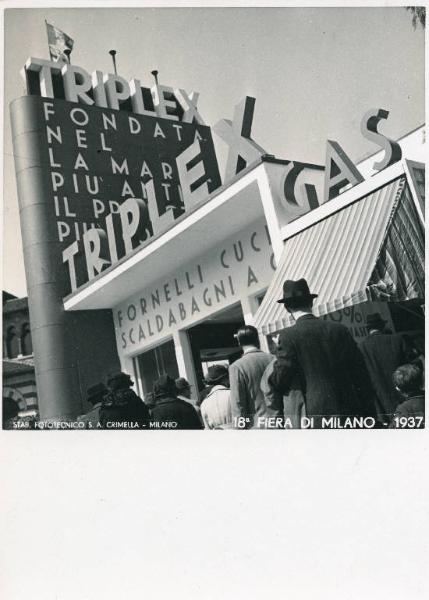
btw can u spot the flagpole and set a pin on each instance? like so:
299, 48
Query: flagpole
113, 55
46, 27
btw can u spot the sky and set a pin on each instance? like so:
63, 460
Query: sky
313, 71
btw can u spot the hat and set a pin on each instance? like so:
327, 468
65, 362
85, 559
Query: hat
295, 291
164, 386
375, 320
95, 392
119, 380
216, 373
182, 384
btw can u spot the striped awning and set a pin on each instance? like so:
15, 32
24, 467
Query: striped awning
337, 257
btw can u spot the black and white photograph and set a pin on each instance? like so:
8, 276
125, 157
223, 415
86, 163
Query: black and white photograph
219, 240
213, 220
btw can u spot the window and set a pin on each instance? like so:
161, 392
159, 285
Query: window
154, 363
12, 343
26, 343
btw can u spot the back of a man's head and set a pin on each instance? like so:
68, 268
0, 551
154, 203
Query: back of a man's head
247, 336
408, 379
298, 305
164, 387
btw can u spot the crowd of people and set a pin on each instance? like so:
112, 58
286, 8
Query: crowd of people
318, 372
318, 376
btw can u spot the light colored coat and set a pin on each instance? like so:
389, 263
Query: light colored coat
247, 398
216, 408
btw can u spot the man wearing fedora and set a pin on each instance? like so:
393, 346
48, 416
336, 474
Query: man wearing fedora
325, 360
216, 406
384, 352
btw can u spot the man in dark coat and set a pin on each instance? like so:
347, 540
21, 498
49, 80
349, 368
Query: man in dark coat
324, 358
384, 352
121, 407
169, 409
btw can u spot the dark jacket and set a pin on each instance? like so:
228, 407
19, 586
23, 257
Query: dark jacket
383, 354
331, 371
174, 410
123, 406
289, 409
410, 409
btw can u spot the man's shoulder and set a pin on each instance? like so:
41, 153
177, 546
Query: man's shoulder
390, 339
165, 403
187, 406
218, 390
334, 326
317, 326
92, 414
251, 357
215, 395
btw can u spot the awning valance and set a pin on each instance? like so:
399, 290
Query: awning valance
340, 256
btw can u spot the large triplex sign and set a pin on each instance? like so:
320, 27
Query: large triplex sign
100, 160
121, 175
125, 161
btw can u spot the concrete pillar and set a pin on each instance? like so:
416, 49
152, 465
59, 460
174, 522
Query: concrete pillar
249, 306
272, 213
58, 383
185, 362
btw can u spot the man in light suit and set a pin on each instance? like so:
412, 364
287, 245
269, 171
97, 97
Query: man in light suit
245, 374
325, 360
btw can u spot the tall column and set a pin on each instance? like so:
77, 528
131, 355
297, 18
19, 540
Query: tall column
185, 362
51, 328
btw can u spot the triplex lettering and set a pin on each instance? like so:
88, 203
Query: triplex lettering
107, 90
180, 183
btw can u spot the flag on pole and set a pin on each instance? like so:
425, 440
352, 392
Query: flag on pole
58, 42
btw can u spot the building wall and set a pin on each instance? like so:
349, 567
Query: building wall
16, 328
22, 388
19, 381
96, 352
235, 271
